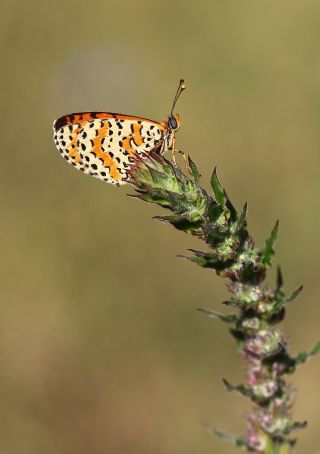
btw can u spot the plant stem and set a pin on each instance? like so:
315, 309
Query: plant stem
258, 308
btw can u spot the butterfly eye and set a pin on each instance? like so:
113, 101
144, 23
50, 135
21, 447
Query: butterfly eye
172, 122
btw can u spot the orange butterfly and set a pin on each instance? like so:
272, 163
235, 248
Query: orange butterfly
105, 144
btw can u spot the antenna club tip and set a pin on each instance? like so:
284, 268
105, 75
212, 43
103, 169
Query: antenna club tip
180, 89
183, 85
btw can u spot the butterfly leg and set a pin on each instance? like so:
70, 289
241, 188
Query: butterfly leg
184, 156
186, 163
173, 150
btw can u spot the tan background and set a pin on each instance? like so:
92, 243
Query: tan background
101, 348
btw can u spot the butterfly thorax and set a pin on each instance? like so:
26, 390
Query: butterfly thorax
172, 125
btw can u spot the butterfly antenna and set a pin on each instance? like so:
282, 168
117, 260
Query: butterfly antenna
182, 86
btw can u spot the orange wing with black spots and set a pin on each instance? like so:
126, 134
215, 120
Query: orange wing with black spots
104, 144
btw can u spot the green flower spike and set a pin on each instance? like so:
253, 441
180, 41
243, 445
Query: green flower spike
231, 252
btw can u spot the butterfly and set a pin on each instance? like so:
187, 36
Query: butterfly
105, 144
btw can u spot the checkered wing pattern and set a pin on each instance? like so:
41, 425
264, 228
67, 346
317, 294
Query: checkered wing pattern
105, 145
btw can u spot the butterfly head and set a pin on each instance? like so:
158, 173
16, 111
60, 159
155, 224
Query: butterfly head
173, 122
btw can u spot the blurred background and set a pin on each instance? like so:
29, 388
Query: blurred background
101, 347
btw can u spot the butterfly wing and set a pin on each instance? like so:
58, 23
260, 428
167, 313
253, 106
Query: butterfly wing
103, 144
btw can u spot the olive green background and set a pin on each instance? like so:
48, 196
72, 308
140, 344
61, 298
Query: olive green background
101, 347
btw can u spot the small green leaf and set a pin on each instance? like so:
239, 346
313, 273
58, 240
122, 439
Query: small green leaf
194, 170
268, 251
228, 318
210, 260
279, 280
180, 223
233, 212
201, 261
158, 199
296, 425
173, 218
233, 303
294, 294
235, 441
282, 299
301, 358
241, 222
207, 262
315, 350
206, 255
239, 389
217, 189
